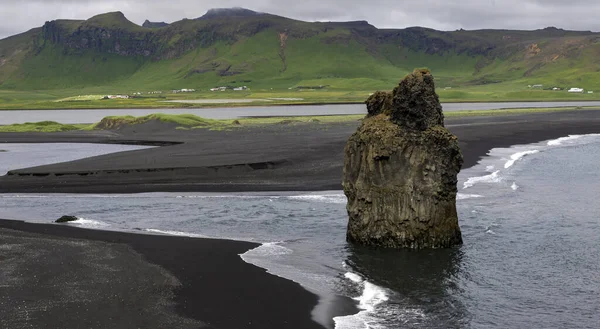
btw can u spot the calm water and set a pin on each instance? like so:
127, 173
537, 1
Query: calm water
91, 116
17, 156
530, 222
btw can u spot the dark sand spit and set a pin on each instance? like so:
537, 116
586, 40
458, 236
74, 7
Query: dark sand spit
55, 276
286, 157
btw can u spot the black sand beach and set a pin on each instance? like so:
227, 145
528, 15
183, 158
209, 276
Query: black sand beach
280, 157
55, 276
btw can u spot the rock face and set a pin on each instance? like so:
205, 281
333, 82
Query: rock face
400, 171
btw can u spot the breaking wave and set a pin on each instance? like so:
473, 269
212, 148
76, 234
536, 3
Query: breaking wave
269, 249
89, 223
372, 296
338, 198
560, 141
224, 196
518, 156
491, 178
17, 196
461, 196
174, 233
324, 198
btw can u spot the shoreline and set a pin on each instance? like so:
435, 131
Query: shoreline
201, 295
270, 104
286, 157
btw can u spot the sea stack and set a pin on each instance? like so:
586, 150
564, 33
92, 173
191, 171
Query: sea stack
400, 171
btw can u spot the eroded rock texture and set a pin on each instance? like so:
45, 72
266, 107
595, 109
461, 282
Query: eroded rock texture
400, 171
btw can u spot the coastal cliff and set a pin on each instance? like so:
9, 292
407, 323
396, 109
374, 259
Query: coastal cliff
400, 171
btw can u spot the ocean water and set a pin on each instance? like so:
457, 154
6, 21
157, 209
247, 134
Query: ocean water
529, 216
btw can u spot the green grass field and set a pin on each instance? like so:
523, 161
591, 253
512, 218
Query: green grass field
92, 98
43, 126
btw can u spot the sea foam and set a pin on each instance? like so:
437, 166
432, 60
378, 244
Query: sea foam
491, 178
175, 233
89, 223
273, 257
17, 196
224, 196
323, 198
372, 296
518, 156
269, 249
461, 196
560, 141
353, 277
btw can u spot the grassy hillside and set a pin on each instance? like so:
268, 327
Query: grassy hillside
280, 57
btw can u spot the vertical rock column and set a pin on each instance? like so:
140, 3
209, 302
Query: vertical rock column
400, 171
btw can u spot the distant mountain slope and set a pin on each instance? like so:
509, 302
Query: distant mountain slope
154, 25
239, 46
229, 12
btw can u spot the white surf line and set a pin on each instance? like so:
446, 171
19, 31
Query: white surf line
461, 196
518, 156
89, 223
561, 140
372, 296
491, 178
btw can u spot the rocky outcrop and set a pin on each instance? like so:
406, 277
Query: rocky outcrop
400, 171
66, 219
378, 103
154, 25
100, 37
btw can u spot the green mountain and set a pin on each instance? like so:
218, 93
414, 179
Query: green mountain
240, 47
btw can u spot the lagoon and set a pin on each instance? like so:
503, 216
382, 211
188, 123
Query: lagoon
8, 117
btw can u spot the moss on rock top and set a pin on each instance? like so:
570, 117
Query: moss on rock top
415, 103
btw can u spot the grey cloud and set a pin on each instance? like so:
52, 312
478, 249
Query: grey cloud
18, 15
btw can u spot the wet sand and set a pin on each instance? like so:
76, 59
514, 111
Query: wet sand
280, 157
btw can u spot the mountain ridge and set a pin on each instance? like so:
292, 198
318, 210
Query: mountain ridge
268, 50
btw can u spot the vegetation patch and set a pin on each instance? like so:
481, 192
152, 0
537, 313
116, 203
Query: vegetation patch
515, 111
296, 120
190, 121
180, 120
81, 98
43, 126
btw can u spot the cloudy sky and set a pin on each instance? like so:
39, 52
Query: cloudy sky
20, 15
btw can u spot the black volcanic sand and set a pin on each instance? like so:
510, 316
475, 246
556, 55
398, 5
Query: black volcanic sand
279, 157
55, 276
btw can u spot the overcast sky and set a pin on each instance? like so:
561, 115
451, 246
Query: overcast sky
21, 15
